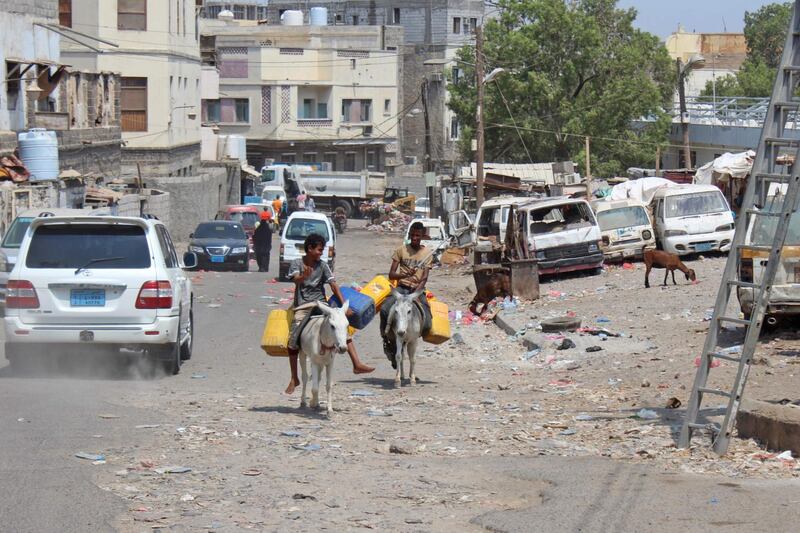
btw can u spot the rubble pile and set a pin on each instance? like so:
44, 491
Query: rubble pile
384, 217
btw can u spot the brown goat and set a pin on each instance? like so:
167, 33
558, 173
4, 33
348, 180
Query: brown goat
499, 284
670, 262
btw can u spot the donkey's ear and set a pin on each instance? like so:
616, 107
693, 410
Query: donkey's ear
346, 306
416, 295
324, 308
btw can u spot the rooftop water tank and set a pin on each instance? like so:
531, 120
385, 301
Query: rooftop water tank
38, 149
226, 15
318, 16
292, 17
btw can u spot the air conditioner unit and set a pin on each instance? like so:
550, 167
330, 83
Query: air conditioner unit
367, 131
410, 160
436, 77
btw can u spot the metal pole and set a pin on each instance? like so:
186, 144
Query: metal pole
479, 116
687, 151
588, 170
428, 166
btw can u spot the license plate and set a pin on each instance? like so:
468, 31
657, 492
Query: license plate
217, 258
87, 297
703, 247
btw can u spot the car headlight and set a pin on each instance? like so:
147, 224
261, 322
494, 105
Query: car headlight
675, 232
647, 235
240, 250
196, 249
593, 247
726, 227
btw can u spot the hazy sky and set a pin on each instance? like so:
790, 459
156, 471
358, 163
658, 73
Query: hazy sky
661, 17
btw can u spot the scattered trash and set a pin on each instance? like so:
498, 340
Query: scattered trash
628, 266
148, 426
645, 383
602, 320
568, 432
785, 456
377, 412
299, 496
584, 418
457, 338
214, 306
566, 344
251, 472
307, 447
709, 314
673, 403
488, 401
22, 420
732, 349
291, 434
593, 349
401, 448
362, 393
91, 456
614, 381
199, 376
527, 356
187, 498
647, 414
714, 363
173, 470
108, 417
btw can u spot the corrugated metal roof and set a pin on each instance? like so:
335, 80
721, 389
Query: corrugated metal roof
529, 172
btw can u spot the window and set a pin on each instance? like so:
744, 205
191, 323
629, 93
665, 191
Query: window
682, 159
133, 104
65, 13
178, 23
700, 203
456, 74
300, 228
473, 24
352, 64
74, 245
622, 217
170, 259
242, 110
330, 158
212, 11
211, 111
349, 161
455, 129
355, 20
465, 26
132, 15
287, 158
261, 12
310, 157
396, 15
387, 106
456, 25
308, 108
372, 159
322, 110
12, 85
356, 110
211, 230
251, 13
238, 12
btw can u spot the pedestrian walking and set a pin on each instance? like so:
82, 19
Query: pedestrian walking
262, 241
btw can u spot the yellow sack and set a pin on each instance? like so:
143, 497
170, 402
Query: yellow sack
378, 289
275, 339
440, 325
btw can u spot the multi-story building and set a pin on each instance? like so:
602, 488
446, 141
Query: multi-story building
241, 9
433, 32
154, 45
40, 91
308, 94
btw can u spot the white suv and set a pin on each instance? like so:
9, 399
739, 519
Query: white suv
99, 282
300, 225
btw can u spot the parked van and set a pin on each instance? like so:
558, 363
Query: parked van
300, 225
692, 219
562, 233
784, 299
625, 228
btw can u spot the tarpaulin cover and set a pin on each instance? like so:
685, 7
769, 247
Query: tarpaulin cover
642, 189
724, 167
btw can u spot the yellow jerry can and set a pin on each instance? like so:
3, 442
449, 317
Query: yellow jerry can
275, 339
440, 325
378, 289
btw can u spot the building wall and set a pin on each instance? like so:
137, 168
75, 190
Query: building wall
168, 55
20, 39
724, 54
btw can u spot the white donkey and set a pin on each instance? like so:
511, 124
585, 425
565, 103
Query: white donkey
321, 339
405, 322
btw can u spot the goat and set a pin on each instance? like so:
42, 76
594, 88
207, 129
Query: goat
499, 284
405, 321
670, 262
321, 339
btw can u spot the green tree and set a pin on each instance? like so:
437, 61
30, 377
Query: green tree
572, 69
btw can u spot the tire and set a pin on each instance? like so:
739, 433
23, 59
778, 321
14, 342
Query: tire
560, 323
186, 347
344, 204
166, 357
283, 273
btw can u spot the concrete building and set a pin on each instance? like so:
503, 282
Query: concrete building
82, 107
308, 94
241, 9
157, 53
432, 30
724, 54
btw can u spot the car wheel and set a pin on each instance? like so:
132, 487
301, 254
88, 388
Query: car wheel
186, 347
283, 273
348, 209
561, 323
166, 357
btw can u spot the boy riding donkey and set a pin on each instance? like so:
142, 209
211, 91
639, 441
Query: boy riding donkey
310, 275
410, 266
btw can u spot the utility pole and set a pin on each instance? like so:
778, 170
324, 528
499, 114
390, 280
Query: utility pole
479, 116
588, 170
687, 151
428, 167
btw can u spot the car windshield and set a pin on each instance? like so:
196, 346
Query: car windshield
76, 245
300, 228
622, 217
16, 232
560, 218
434, 232
764, 227
211, 230
271, 195
692, 204
247, 219
422, 202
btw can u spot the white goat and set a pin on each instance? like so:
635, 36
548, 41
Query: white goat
321, 339
405, 322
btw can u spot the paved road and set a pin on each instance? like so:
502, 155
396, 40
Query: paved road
43, 487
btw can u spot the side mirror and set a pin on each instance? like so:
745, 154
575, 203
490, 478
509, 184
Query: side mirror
191, 235
189, 260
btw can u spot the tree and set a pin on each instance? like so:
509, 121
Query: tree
572, 69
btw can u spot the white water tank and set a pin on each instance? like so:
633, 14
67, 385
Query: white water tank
292, 17
226, 15
38, 149
318, 16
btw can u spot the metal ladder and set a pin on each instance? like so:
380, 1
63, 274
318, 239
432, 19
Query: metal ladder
773, 143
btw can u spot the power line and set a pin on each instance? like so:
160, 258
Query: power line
583, 135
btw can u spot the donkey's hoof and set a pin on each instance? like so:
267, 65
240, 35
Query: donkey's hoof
397, 384
412, 380
303, 404
329, 413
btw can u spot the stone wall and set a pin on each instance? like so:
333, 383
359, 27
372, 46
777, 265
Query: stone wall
91, 151
195, 199
176, 161
47, 9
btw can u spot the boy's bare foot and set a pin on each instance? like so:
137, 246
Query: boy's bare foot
362, 369
293, 383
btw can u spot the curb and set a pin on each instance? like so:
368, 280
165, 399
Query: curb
776, 426
506, 326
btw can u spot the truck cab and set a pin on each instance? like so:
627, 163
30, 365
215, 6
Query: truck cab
626, 229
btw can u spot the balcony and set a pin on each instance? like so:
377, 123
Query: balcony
315, 122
